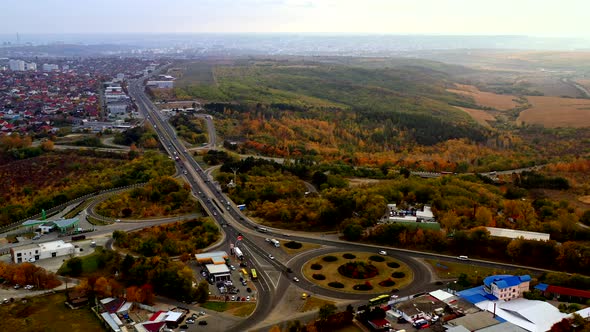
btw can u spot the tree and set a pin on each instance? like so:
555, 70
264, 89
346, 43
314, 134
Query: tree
202, 293
483, 216
353, 231
74, 265
326, 310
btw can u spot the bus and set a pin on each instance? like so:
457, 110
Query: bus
379, 299
254, 275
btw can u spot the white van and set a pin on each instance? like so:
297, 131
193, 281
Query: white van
463, 258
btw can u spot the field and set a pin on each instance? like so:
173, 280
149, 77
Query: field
451, 270
240, 309
553, 112
486, 99
47, 314
482, 117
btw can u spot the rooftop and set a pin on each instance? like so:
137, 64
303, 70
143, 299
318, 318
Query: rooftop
475, 321
54, 245
217, 268
65, 223
505, 281
476, 295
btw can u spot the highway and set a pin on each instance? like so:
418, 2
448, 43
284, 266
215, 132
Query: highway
234, 223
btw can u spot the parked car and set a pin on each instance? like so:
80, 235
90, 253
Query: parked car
29, 287
190, 321
202, 322
17, 286
248, 298
249, 290
231, 267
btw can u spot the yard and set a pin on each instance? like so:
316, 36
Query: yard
47, 313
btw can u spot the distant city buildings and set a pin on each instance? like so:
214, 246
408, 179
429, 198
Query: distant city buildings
50, 67
162, 82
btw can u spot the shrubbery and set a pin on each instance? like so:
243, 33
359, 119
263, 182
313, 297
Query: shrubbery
316, 266
376, 258
363, 287
387, 283
330, 258
293, 245
358, 270
393, 265
398, 274
349, 256
336, 284
318, 276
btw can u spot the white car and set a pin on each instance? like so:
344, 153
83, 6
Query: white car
248, 298
295, 279
271, 256
383, 252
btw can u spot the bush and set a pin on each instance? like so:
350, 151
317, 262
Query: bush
398, 274
318, 276
393, 265
349, 256
330, 259
358, 270
293, 245
316, 266
387, 283
363, 287
376, 258
336, 284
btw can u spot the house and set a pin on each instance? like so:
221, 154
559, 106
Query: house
507, 287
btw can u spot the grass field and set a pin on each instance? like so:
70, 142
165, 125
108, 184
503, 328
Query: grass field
306, 246
449, 270
240, 309
488, 99
482, 117
553, 112
47, 314
330, 270
313, 302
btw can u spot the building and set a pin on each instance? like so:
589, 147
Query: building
423, 214
16, 65
507, 287
162, 82
36, 251
563, 293
515, 234
218, 272
49, 67
30, 66
214, 257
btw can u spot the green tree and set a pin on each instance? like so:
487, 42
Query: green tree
353, 231
202, 292
75, 266
326, 311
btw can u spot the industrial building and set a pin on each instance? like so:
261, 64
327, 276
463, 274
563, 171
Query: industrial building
36, 251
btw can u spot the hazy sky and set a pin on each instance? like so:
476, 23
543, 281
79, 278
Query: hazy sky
525, 17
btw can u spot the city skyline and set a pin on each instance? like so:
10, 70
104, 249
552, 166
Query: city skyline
547, 18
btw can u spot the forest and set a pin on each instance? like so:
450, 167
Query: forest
190, 128
161, 196
462, 204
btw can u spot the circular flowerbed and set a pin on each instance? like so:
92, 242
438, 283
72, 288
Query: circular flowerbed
387, 283
293, 245
363, 287
376, 258
330, 259
393, 265
349, 256
336, 284
358, 270
398, 274
318, 276
316, 266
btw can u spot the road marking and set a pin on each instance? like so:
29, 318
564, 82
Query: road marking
273, 277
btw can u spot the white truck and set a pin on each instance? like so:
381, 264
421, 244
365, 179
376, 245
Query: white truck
275, 242
239, 253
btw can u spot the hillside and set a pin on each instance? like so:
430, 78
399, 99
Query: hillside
385, 106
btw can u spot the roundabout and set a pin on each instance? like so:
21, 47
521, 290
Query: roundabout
358, 272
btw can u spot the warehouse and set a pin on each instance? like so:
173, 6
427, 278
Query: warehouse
36, 251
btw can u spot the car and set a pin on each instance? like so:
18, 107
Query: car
249, 290
117, 220
271, 256
190, 321
243, 264
383, 252
244, 283
248, 298
295, 279
201, 313
233, 298
29, 287
32, 260
267, 240
184, 326
17, 286
231, 267
202, 322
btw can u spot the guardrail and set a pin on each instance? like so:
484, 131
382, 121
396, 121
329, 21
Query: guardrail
55, 209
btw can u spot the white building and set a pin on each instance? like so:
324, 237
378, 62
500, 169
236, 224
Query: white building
161, 84
36, 251
507, 287
515, 234
30, 66
16, 65
50, 67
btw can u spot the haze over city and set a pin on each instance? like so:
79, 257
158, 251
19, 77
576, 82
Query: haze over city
462, 17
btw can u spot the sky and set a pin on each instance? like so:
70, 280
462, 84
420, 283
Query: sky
552, 18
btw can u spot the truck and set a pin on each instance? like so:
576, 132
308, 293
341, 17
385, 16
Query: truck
78, 237
239, 253
275, 242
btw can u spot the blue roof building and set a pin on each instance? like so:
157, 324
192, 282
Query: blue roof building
498, 287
